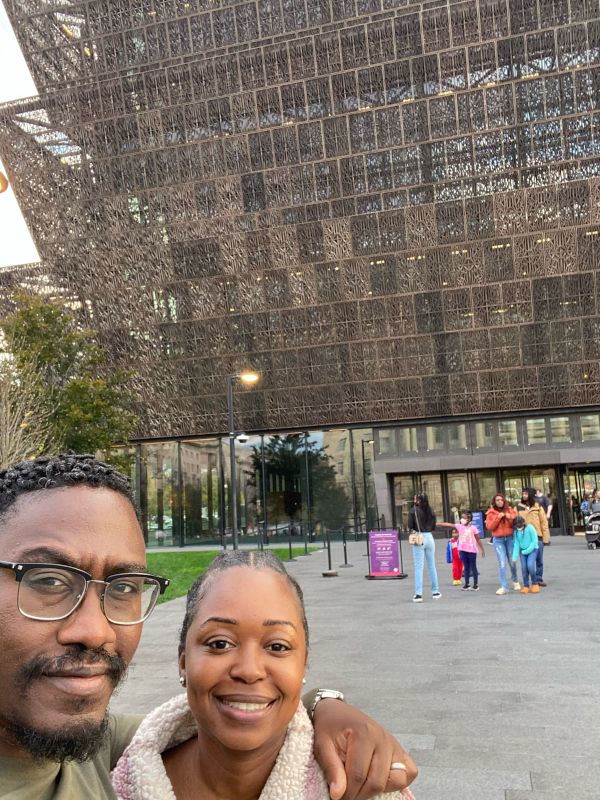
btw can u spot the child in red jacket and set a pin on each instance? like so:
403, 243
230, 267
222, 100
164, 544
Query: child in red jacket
453, 557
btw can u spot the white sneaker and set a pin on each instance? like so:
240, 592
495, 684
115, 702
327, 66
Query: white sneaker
436, 595
501, 590
517, 586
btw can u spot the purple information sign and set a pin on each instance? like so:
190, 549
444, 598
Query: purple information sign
384, 555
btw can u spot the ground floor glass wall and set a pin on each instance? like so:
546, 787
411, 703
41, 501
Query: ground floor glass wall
291, 484
450, 493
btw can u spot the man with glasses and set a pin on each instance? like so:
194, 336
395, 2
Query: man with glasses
74, 591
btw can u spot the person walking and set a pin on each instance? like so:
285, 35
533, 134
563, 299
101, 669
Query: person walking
422, 519
526, 545
499, 521
534, 515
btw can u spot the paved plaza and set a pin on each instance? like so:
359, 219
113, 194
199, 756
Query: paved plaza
497, 698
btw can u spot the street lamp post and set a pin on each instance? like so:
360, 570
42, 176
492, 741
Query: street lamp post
248, 378
363, 442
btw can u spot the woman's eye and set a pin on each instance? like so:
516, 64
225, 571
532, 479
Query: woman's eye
219, 644
279, 647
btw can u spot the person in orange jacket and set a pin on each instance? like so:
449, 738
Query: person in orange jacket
499, 521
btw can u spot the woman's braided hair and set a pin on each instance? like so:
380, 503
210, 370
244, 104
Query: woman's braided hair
253, 559
54, 472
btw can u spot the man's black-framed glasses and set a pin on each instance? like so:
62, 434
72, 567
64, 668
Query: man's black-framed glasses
51, 592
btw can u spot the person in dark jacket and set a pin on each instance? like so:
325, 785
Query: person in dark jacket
422, 519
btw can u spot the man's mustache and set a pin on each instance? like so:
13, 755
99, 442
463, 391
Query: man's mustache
70, 661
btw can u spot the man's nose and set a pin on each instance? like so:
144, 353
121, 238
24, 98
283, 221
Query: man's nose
87, 625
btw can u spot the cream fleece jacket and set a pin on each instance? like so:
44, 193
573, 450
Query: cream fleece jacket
140, 773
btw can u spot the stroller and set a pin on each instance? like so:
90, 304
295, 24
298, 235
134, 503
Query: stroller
592, 530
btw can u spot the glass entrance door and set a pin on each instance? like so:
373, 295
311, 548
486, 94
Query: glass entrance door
538, 478
405, 488
514, 482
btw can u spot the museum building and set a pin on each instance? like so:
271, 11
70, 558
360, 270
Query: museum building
390, 210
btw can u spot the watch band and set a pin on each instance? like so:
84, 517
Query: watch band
324, 694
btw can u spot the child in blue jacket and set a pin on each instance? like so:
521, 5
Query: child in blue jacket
526, 545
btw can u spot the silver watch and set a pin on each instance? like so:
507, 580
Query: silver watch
324, 694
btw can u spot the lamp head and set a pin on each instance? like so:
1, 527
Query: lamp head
249, 377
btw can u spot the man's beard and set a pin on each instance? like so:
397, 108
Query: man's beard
81, 740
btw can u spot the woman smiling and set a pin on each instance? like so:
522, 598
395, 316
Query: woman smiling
242, 731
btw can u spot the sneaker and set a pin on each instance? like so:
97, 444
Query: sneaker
417, 598
456, 583
502, 590
542, 583
466, 588
535, 588
525, 590
476, 588
516, 586
436, 595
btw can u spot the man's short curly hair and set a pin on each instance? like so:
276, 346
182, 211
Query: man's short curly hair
55, 472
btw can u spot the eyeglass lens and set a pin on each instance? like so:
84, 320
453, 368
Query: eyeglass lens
51, 593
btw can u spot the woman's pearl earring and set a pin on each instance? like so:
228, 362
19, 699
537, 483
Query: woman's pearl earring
303, 680
182, 680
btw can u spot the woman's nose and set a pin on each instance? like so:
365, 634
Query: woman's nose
249, 664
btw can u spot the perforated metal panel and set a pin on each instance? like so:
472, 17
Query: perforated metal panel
390, 209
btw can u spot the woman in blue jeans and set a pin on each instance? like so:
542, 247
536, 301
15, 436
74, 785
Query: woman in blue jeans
421, 518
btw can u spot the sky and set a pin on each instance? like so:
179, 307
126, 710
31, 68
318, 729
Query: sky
16, 244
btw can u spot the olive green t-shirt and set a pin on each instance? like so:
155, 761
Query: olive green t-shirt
24, 779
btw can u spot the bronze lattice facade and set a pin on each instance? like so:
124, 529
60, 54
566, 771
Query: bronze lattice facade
389, 208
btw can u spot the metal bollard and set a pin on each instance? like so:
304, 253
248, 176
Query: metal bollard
291, 557
345, 546
329, 572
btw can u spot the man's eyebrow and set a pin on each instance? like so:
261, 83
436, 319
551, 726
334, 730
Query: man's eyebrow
48, 555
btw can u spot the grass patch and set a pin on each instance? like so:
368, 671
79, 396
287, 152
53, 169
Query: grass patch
182, 569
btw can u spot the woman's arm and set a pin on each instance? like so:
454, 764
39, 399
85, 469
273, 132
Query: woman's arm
492, 519
355, 753
480, 545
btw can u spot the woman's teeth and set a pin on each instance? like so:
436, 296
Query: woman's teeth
246, 706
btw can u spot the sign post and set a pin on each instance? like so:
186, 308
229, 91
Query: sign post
384, 556
478, 522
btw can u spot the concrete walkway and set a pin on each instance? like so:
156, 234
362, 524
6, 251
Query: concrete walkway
497, 698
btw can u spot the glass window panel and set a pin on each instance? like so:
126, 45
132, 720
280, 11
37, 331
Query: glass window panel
407, 440
386, 442
434, 437
590, 427
459, 497
484, 434
457, 437
507, 433
363, 445
484, 488
560, 429
536, 431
